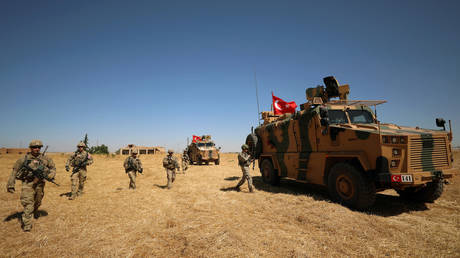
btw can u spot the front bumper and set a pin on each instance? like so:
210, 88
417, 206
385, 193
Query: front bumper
415, 178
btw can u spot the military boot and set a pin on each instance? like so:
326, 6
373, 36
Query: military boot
26, 228
72, 197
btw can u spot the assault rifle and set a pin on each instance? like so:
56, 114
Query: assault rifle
131, 165
39, 173
80, 164
171, 163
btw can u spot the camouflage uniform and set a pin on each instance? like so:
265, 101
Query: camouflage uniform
244, 161
170, 163
79, 160
185, 161
132, 165
32, 191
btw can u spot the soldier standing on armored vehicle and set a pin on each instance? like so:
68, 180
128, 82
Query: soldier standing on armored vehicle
132, 165
32, 169
244, 161
170, 164
79, 160
185, 161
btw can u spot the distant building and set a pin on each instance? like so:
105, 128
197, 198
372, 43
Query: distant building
142, 150
14, 150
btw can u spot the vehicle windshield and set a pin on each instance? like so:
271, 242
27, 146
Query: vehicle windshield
360, 117
208, 144
356, 117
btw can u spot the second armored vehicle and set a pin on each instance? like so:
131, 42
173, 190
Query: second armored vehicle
202, 150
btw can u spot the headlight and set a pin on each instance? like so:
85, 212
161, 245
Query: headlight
396, 152
386, 139
403, 140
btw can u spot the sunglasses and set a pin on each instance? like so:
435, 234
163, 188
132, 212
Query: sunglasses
35, 147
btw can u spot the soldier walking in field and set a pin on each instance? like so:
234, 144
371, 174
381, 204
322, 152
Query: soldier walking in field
244, 161
79, 160
170, 164
132, 165
32, 169
185, 161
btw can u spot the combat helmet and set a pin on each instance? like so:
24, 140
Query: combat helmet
35, 143
170, 151
134, 151
81, 144
244, 147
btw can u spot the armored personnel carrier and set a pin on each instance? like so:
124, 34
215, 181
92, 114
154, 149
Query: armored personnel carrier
203, 150
341, 145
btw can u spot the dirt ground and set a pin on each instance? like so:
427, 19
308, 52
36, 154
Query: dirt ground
201, 216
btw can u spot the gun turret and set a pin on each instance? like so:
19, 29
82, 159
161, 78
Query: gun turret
332, 90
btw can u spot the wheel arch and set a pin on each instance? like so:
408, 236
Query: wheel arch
271, 159
354, 160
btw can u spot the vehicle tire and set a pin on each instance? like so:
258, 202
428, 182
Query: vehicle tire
429, 193
217, 161
206, 162
255, 146
349, 186
269, 174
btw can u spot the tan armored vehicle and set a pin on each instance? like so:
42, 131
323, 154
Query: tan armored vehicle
204, 151
340, 144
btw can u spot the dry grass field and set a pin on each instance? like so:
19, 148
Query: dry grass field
200, 216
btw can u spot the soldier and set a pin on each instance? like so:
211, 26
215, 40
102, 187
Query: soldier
79, 160
244, 160
32, 192
132, 165
170, 164
185, 161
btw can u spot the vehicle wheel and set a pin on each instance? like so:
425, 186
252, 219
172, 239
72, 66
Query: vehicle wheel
217, 161
269, 175
349, 186
206, 162
429, 193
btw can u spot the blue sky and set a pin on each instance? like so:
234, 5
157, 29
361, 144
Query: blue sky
156, 72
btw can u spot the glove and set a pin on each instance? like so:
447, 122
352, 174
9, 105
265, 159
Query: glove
67, 168
10, 190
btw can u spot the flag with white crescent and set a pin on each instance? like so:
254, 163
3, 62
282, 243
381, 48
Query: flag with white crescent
282, 107
196, 138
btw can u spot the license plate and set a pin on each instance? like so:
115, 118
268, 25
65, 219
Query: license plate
406, 178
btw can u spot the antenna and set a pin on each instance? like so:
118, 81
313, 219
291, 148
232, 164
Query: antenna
257, 97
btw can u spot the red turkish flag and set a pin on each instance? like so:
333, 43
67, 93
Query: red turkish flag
196, 138
395, 178
281, 107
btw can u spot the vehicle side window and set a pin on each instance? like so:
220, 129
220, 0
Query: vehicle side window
337, 117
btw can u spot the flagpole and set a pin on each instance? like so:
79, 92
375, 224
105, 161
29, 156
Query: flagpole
271, 106
257, 97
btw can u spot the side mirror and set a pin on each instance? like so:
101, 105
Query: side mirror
441, 123
220, 148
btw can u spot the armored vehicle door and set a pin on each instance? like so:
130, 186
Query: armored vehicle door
329, 125
304, 134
